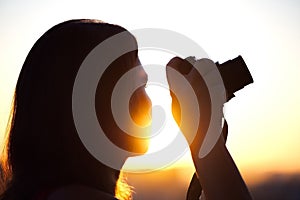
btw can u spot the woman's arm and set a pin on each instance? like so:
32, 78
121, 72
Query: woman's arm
219, 176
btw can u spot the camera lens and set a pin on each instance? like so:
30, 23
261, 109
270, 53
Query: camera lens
235, 75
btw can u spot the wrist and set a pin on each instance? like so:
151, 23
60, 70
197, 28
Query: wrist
218, 150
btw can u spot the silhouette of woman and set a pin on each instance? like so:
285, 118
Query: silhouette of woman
44, 157
43, 151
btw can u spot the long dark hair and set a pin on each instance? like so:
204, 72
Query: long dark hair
43, 149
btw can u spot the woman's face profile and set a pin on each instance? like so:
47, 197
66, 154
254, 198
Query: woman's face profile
126, 120
140, 103
140, 107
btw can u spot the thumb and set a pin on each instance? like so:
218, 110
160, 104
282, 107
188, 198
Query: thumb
185, 107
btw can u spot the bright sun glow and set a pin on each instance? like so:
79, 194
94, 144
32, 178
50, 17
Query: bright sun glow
163, 136
164, 127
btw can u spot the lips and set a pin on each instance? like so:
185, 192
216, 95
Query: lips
140, 107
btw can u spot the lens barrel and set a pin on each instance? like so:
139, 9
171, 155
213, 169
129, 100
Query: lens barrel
235, 75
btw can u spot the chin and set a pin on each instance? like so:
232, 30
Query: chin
142, 142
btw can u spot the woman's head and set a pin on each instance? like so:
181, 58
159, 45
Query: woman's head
43, 147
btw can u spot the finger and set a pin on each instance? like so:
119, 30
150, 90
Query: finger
179, 64
176, 64
200, 67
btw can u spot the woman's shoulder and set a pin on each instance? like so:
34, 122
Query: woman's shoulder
76, 192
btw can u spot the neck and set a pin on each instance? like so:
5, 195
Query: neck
105, 181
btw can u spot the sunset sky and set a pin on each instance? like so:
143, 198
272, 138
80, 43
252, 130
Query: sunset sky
263, 118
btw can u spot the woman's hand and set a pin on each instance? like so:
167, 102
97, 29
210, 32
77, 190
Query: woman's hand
190, 100
217, 172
